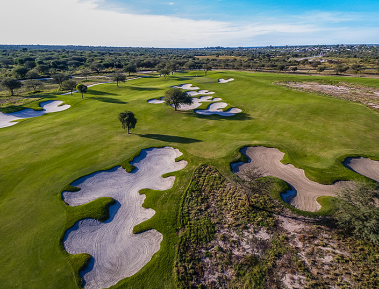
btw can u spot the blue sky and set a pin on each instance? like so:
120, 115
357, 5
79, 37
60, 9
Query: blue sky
184, 23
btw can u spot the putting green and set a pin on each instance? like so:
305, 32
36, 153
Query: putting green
40, 156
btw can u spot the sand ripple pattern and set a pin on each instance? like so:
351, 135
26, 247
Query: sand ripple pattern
364, 166
216, 108
116, 252
304, 191
7, 119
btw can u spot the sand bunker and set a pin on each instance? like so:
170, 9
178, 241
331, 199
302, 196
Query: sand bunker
364, 166
156, 101
216, 108
7, 119
304, 192
221, 80
199, 92
186, 87
196, 102
117, 252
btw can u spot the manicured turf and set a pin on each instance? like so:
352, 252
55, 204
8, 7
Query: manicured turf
40, 156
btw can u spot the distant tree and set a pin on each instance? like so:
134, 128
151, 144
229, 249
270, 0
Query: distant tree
118, 77
127, 120
30, 64
207, 68
59, 78
315, 63
97, 67
177, 97
130, 68
358, 212
294, 68
356, 68
85, 73
32, 74
20, 72
81, 88
33, 84
340, 68
11, 84
42, 68
164, 72
69, 85
281, 67
321, 68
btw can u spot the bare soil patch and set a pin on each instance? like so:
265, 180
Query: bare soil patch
347, 91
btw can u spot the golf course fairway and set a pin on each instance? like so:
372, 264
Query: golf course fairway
41, 156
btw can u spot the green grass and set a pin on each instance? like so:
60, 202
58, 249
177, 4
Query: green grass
39, 156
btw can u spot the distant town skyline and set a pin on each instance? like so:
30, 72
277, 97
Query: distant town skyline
189, 24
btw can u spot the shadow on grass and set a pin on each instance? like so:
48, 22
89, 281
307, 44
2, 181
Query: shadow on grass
97, 92
109, 99
238, 116
170, 138
138, 88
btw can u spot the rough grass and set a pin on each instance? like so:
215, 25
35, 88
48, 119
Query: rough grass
41, 155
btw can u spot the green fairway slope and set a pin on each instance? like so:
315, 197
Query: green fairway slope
39, 156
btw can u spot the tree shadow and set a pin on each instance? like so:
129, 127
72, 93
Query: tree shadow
109, 99
170, 138
143, 88
97, 92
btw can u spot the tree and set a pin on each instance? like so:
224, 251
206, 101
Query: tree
117, 77
59, 78
356, 67
85, 73
127, 119
164, 72
281, 67
358, 211
294, 68
69, 85
340, 68
206, 68
20, 72
11, 84
130, 68
321, 68
33, 83
97, 67
81, 88
32, 74
177, 97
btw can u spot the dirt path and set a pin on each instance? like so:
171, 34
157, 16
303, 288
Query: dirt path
117, 252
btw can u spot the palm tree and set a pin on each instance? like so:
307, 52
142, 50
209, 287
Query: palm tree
127, 119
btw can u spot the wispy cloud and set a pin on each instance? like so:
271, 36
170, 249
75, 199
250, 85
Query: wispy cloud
82, 22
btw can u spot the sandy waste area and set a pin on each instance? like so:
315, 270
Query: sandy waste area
8, 119
116, 252
347, 91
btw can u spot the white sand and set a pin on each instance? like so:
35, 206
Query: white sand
364, 166
199, 92
117, 252
196, 102
8, 119
216, 108
186, 87
156, 101
221, 80
305, 192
